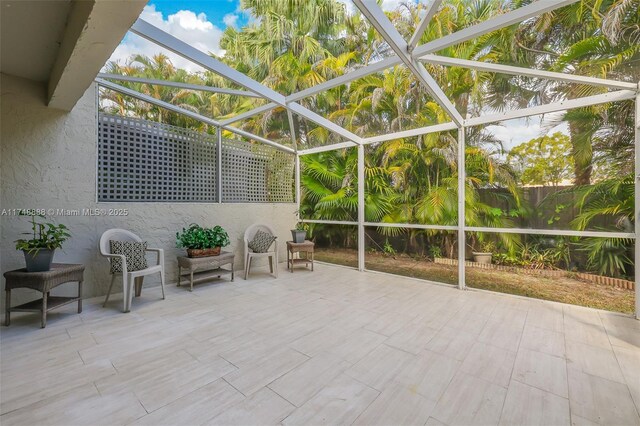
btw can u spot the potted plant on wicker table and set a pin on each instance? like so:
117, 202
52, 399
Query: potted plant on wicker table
39, 250
202, 242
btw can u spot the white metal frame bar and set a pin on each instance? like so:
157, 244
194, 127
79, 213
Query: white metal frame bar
510, 18
390, 34
332, 147
558, 232
361, 200
637, 203
412, 226
250, 113
431, 10
332, 222
529, 72
219, 165
604, 98
462, 238
166, 40
150, 99
413, 132
178, 84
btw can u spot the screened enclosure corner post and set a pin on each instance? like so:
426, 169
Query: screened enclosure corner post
297, 185
461, 212
97, 136
219, 164
637, 202
361, 241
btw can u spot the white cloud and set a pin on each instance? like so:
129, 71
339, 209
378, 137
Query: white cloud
230, 20
515, 132
193, 29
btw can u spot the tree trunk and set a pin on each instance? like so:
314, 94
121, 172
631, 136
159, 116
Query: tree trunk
582, 152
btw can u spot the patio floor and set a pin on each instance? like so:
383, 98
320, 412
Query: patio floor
333, 346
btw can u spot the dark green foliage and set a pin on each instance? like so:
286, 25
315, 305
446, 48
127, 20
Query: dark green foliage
45, 236
197, 237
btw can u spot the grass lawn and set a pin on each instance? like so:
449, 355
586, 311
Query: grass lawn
559, 289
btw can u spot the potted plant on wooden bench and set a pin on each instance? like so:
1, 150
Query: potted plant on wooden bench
39, 250
202, 242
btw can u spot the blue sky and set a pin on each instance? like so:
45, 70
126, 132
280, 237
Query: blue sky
216, 10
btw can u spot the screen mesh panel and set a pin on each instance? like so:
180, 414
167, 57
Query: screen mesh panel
144, 161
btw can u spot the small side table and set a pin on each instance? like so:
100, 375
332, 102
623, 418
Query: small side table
204, 268
306, 248
43, 282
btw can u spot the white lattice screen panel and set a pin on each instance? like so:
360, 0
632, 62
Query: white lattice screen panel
140, 160
255, 173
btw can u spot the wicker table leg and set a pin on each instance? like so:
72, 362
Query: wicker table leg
191, 280
232, 272
179, 275
45, 295
7, 312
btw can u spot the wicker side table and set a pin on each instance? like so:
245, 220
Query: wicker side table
307, 248
204, 268
43, 282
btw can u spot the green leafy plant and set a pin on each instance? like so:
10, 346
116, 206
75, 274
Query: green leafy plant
388, 248
45, 236
301, 225
607, 256
486, 246
197, 237
435, 251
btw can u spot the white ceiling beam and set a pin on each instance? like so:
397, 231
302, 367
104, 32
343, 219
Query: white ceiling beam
326, 148
432, 8
515, 16
166, 40
178, 84
199, 117
411, 133
250, 113
604, 98
93, 30
529, 72
385, 28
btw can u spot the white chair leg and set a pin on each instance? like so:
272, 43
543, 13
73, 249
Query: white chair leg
130, 297
162, 281
276, 262
113, 280
125, 293
247, 267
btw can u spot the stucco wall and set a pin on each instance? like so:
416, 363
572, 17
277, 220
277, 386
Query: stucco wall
48, 160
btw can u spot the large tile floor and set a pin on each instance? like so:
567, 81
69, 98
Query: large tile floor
330, 347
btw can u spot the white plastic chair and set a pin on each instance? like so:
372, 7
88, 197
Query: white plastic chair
250, 254
134, 277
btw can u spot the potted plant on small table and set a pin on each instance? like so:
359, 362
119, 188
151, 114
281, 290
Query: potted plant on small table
202, 242
39, 250
299, 234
